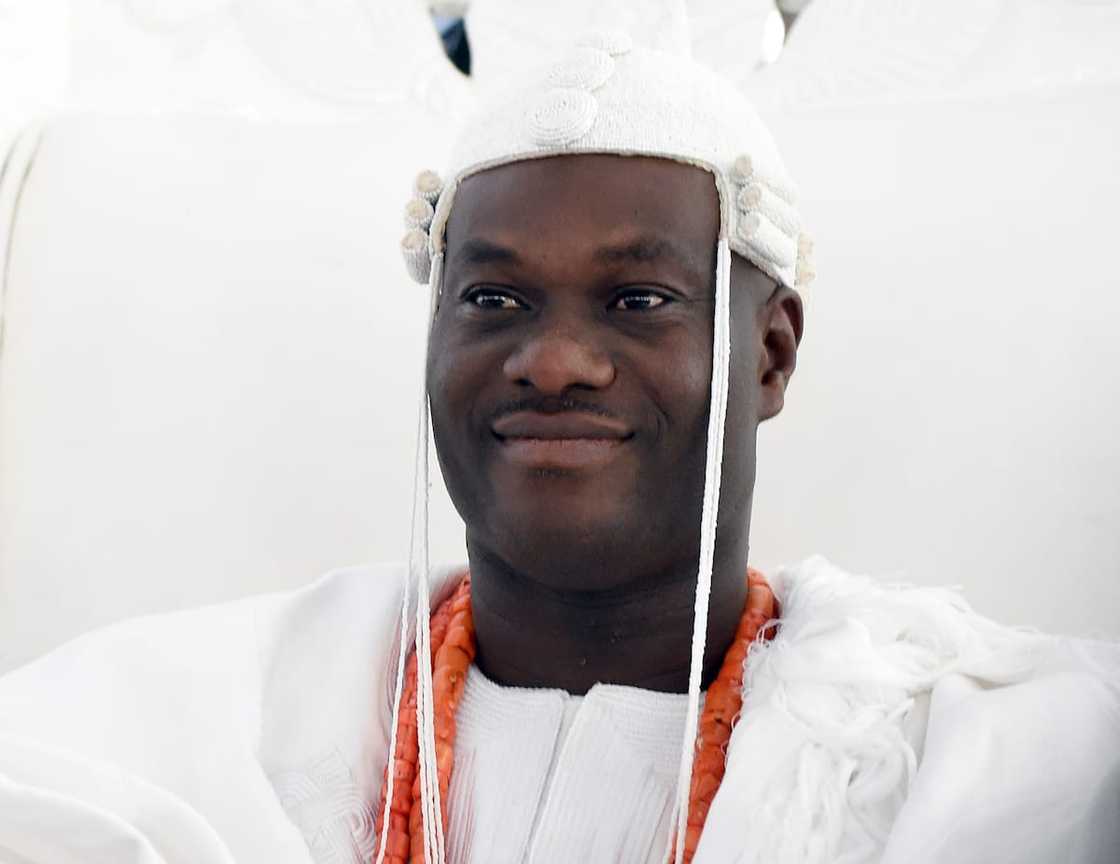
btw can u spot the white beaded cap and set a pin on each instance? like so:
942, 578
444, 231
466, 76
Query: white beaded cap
582, 68
561, 115
614, 42
610, 95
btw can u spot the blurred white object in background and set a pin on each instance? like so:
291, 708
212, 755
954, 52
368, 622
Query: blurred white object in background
954, 415
732, 37
33, 61
210, 366
293, 58
211, 352
843, 52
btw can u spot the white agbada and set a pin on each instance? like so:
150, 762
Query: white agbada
881, 724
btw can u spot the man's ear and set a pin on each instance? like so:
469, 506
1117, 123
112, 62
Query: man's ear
781, 321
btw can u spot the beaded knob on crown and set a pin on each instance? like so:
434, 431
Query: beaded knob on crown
418, 215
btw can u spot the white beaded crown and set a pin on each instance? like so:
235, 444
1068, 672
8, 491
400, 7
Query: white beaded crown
608, 95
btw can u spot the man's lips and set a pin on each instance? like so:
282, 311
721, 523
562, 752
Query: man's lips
564, 426
564, 440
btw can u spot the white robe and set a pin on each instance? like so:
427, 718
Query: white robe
536, 771
881, 724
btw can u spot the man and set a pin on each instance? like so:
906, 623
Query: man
615, 261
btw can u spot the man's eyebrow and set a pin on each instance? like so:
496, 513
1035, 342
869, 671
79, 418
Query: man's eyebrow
644, 250
479, 251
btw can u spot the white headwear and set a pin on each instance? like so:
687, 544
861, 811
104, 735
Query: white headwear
608, 95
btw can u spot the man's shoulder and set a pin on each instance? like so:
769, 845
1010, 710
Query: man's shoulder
356, 594
975, 725
903, 620
223, 653
231, 709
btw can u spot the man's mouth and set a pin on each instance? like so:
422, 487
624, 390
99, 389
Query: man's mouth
564, 440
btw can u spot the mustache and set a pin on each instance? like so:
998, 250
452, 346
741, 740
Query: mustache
551, 405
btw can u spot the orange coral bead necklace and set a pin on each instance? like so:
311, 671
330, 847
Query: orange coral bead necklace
453, 651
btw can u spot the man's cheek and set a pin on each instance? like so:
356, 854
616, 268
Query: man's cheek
693, 393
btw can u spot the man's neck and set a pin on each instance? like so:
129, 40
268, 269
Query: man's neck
530, 635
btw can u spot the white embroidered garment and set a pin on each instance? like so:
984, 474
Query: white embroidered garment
881, 724
536, 770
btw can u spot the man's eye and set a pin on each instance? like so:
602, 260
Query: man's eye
638, 301
488, 298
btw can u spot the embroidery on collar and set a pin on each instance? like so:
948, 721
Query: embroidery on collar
325, 802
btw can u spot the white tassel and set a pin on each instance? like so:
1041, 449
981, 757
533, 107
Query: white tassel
398, 693
713, 472
431, 808
418, 571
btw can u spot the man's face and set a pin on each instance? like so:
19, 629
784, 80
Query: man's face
570, 366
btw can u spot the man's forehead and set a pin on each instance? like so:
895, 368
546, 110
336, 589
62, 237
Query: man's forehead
614, 209
582, 171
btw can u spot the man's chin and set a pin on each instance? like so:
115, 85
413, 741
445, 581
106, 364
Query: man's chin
565, 551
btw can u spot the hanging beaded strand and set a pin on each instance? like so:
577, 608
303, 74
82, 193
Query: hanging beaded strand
722, 706
453, 651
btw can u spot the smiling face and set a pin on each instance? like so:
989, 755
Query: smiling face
570, 365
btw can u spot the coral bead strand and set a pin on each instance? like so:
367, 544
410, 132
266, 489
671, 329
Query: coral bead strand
722, 705
451, 625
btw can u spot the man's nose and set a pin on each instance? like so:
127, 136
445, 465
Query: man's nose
556, 360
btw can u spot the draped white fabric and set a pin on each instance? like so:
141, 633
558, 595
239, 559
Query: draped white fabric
882, 723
